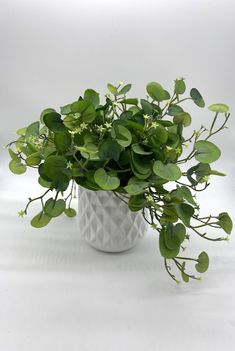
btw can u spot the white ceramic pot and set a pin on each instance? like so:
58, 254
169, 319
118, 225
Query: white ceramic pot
106, 222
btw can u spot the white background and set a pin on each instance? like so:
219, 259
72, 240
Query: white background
55, 291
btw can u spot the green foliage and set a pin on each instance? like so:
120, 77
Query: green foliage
40, 220
136, 148
203, 262
106, 181
197, 98
206, 152
169, 171
225, 222
220, 108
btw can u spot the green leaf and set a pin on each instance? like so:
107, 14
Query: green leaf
54, 208
21, 131
203, 262
92, 96
136, 186
33, 159
54, 122
147, 107
32, 130
86, 110
65, 110
141, 165
159, 136
136, 202
130, 101
122, 135
40, 220
175, 110
184, 212
44, 183
54, 166
109, 149
169, 171
180, 86
156, 91
71, 122
206, 152
70, 212
172, 241
220, 108
164, 250
13, 155
112, 89
17, 167
197, 98
186, 194
225, 222
60, 182
184, 118
105, 181
45, 112
62, 141
124, 89
180, 231
138, 149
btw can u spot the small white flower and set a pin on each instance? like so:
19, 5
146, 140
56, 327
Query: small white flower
149, 198
120, 82
69, 165
154, 125
83, 125
108, 125
146, 116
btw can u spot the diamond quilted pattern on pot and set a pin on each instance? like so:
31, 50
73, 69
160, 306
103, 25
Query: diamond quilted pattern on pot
106, 222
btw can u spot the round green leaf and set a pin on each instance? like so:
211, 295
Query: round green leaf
156, 91
180, 86
124, 89
54, 122
112, 89
164, 250
17, 167
122, 135
169, 171
109, 149
54, 165
138, 149
175, 110
197, 98
92, 96
222, 108
105, 181
32, 130
33, 159
206, 152
184, 118
62, 141
54, 208
70, 212
136, 202
86, 110
45, 112
171, 239
225, 222
44, 182
184, 212
203, 262
40, 220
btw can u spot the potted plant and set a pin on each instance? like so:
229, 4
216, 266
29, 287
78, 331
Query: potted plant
130, 151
